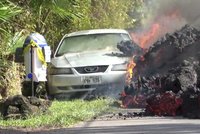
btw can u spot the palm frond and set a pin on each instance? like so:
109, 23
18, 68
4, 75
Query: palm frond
63, 8
8, 10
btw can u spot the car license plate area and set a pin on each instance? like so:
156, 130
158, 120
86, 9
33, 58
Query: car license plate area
91, 80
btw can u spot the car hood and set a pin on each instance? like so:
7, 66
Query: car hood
88, 59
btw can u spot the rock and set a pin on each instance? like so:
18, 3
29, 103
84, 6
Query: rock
170, 51
129, 48
120, 114
191, 103
180, 78
13, 110
23, 106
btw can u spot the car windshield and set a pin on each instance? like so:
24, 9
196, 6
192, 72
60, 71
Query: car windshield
91, 42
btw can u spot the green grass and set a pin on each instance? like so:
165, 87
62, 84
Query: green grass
62, 114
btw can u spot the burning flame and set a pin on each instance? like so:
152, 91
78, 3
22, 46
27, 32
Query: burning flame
131, 65
161, 25
146, 38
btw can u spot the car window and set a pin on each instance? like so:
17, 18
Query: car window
91, 42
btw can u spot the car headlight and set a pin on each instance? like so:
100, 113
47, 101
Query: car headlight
119, 67
57, 71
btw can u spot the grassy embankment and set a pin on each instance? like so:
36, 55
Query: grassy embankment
62, 114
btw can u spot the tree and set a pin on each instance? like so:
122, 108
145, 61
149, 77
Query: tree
48, 17
7, 68
106, 14
54, 18
7, 11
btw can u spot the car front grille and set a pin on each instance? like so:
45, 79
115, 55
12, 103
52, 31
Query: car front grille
91, 69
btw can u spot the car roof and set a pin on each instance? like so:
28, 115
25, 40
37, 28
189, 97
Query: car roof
96, 31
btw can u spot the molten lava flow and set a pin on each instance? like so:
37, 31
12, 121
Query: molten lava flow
130, 68
162, 24
166, 23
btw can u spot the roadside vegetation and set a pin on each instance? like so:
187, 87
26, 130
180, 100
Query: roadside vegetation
62, 114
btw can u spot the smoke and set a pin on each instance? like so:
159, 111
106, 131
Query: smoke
189, 9
165, 16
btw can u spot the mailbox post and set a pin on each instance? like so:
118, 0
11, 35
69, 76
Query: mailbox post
37, 54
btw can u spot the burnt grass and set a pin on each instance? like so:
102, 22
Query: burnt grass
169, 73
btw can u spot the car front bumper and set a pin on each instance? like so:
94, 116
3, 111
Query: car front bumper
74, 83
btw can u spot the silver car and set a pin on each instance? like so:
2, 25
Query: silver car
87, 60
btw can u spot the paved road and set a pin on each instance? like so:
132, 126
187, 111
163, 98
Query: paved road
144, 125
